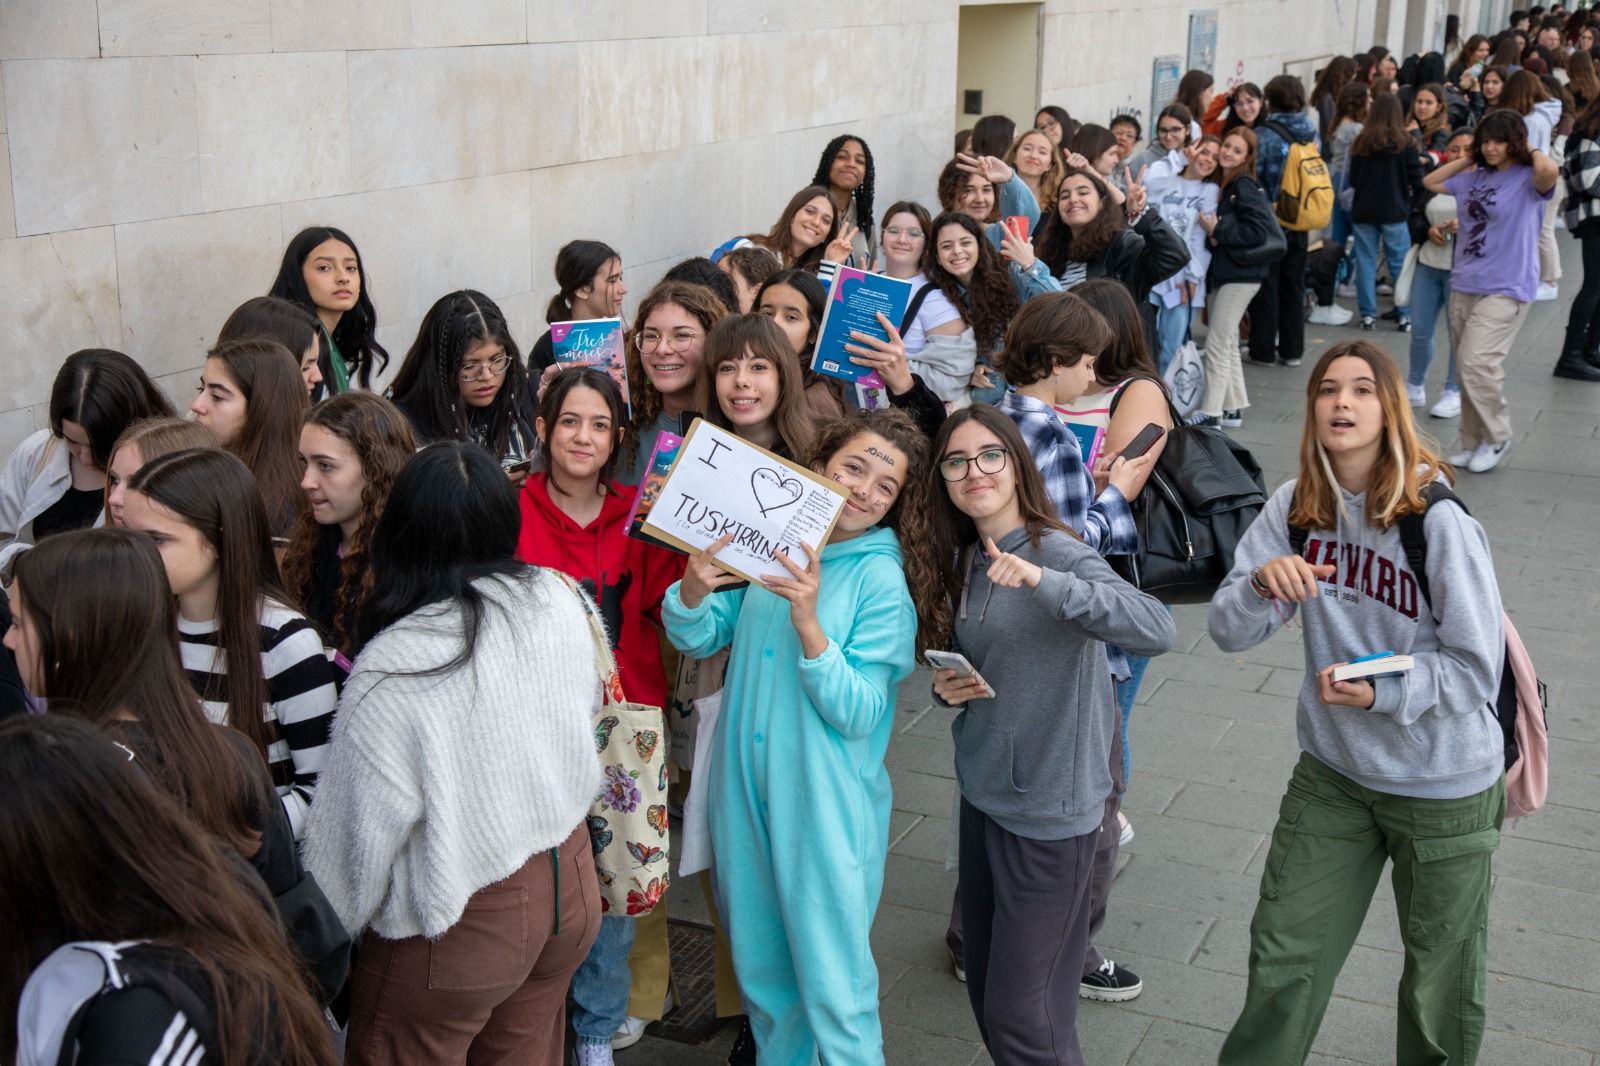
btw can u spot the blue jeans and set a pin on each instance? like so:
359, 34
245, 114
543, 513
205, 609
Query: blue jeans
1172, 329
1127, 691
600, 986
1341, 220
1396, 241
997, 386
1430, 294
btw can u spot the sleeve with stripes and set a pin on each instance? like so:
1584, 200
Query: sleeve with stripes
302, 686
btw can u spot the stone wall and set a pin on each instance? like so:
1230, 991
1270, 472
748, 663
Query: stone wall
156, 155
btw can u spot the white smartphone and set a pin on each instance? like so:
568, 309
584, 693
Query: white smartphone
954, 660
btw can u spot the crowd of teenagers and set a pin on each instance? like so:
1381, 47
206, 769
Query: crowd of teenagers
303, 692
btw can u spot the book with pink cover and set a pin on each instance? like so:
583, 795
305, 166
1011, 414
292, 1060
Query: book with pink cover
597, 343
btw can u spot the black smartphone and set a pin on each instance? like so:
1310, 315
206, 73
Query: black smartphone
1143, 442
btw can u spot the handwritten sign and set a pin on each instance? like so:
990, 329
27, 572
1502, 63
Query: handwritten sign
720, 484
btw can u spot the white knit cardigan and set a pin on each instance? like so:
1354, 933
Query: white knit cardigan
438, 786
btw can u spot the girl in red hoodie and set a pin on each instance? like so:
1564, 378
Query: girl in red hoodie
575, 520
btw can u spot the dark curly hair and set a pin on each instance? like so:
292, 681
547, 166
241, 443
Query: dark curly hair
383, 442
863, 192
1058, 247
1506, 126
990, 301
952, 179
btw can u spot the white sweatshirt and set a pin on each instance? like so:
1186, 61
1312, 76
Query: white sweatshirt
438, 786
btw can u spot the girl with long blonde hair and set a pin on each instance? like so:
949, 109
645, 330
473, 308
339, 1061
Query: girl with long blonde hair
1404, 766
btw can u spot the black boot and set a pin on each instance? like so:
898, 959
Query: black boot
1575, 367
1592, 357
744, 1048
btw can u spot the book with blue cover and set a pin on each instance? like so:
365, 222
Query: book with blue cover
597, 343
853, 305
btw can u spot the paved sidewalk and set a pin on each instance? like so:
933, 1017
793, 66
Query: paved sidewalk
1213, 743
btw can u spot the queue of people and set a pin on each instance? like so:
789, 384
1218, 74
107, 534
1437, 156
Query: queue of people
338, 797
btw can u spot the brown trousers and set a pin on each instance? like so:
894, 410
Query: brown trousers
493, 989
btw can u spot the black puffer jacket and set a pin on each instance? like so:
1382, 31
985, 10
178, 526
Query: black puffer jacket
1244, 220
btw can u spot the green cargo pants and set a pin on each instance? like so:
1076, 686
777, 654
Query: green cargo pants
1327, 853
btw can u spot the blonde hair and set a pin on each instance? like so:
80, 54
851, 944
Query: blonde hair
1050, 180
1407, 462
155, 437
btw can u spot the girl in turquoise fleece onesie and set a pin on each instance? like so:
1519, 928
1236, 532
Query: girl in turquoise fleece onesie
799, 797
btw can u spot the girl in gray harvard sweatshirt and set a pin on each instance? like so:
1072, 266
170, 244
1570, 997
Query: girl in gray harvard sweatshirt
1405, 767
1034, 609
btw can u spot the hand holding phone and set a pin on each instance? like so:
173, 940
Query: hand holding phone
956, 680
1143, 442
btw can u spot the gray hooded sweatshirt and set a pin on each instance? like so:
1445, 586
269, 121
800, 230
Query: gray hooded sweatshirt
1431, 733
1036, 757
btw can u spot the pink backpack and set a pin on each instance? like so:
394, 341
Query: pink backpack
1527, 779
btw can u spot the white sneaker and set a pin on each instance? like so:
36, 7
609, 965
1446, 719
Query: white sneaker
1417, 395
631, 1033
1331, 315
1385, 289
1449, 405
1548, 290
1347, 291
593, 1054
1125, 837
1461, 458
1488, 456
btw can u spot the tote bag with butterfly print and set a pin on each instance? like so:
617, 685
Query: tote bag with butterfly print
628, 822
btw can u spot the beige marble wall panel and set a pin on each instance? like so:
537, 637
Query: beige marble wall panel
8, 211
694, 199
449, 23
272, 127
421, 242
644, 96
49, 29
744, 68
524, 313
180, 385
563, 20
319, 26
653, 18
421, 116
2, 98
59, 294
19, 424
581, 201
182, 277
101, 141
173, 27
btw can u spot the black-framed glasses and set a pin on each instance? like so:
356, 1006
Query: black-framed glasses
1166, 131
957, 467
495, 367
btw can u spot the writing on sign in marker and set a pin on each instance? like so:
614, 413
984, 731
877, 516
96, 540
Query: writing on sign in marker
721, 485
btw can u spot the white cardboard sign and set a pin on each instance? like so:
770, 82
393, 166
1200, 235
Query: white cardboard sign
721, 484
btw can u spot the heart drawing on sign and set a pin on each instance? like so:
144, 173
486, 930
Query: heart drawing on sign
774, 491
1187, 385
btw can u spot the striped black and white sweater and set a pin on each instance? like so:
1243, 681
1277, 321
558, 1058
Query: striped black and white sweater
1581, 171
302, 693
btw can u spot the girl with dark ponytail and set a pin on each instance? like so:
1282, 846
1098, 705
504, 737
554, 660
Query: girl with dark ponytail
589, 280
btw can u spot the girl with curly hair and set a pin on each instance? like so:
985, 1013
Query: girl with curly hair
817, 655
846, 170
353, 447
974, 279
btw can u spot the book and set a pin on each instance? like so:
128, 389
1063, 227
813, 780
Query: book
1378, 665
595, 342
853, 306
1090, 438
655, 476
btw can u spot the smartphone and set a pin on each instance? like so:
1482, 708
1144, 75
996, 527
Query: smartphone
1143, 442
1018, 224
1476, 70
522, 467
954, 660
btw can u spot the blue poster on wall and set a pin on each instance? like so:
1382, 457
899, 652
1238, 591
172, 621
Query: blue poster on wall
1164, 76
1203, 41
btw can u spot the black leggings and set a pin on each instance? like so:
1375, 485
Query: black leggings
1583, 322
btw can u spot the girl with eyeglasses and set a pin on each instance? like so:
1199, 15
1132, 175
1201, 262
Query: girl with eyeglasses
665, 349
1034, 609
463, 380
799, 796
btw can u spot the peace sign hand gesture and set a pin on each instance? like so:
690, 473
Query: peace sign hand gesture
839, 248
994, 170
1137, 196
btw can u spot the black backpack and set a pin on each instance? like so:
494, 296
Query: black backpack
1202, 495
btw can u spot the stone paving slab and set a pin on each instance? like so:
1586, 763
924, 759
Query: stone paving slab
1213, 743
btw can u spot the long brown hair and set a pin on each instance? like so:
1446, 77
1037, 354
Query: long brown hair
268, 376
1058, 246
98, 852
1441, 114
155, 437
1407, 461
779, 239
1353, 102
757, 336
953, 530
212, 491
1385, 128
107, 628
988, 304
1128, 352
1523, 90
383, 442
909, 517
1247, 169
1050, 180
701, 304
1581, 77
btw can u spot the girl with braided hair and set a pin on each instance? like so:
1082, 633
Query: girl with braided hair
463, 380
353, 447
847, 172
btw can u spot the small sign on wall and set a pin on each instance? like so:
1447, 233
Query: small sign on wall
1164, 76
1203, 41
